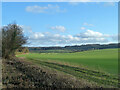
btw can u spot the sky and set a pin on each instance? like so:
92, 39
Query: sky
64, 23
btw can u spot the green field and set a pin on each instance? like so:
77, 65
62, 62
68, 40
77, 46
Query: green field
94, 65
106, 60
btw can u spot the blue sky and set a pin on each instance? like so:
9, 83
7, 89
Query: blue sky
64, 23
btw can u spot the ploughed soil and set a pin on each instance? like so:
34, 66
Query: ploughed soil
19, 73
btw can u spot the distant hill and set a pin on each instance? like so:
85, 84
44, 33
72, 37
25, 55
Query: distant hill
75, 48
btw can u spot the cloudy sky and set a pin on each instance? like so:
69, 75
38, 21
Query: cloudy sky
64, 23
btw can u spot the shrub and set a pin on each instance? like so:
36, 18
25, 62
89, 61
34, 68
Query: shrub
12, 39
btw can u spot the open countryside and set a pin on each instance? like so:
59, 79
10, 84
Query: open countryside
100, 66
59, 45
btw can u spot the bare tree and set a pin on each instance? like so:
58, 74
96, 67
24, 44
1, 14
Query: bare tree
0, 43
12, 39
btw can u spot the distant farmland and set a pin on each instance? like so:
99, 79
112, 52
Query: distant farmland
99, 66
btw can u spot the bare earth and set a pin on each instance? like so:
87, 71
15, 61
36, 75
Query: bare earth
23, 74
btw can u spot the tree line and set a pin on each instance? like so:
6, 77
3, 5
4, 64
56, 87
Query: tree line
76, 47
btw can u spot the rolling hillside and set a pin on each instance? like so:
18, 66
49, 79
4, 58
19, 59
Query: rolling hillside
99, 66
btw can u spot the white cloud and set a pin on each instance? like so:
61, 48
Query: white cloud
59, 28
109, 4
92, 34
74, 3
82, 28
114, 37
87, 24
44, 9
37, 35
36, 9
26, 29
50, 39
88, 36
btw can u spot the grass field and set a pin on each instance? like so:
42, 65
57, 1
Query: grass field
96, 65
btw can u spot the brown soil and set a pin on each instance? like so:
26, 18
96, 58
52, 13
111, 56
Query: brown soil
18, 73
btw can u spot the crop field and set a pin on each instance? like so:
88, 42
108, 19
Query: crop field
100, 66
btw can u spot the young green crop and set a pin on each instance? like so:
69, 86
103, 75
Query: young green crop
105, 60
